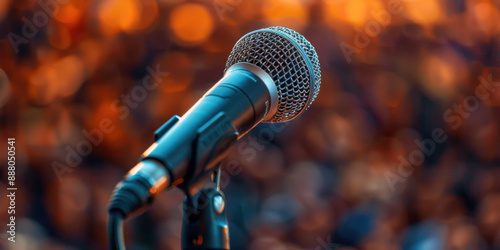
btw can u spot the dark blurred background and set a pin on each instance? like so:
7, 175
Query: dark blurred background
393, 72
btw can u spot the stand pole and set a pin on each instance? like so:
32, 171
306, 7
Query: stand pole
204, 219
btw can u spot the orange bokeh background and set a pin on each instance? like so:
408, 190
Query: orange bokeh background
322, 179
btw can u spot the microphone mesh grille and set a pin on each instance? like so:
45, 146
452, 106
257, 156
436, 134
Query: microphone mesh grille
290, 60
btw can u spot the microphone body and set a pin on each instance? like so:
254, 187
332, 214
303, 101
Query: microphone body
193, 144
187, 149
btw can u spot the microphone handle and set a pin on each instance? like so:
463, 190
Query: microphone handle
191, 146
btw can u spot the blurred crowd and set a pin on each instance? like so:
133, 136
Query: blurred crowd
393, 72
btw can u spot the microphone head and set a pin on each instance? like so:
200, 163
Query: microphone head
290, 60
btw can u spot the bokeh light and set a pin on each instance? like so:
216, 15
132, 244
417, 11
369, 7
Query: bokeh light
287, 13
118, 15
191, 23
5, 89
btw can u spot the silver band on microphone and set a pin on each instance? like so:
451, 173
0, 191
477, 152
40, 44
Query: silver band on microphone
154, 172
268, 81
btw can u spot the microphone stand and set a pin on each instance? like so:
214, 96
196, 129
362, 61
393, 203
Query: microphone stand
205, 223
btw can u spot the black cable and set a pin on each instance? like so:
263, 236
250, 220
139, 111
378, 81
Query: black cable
129, 196
115, 231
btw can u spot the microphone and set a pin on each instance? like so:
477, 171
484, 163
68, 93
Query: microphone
272, 75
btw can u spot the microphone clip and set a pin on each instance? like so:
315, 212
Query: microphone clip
205, 223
